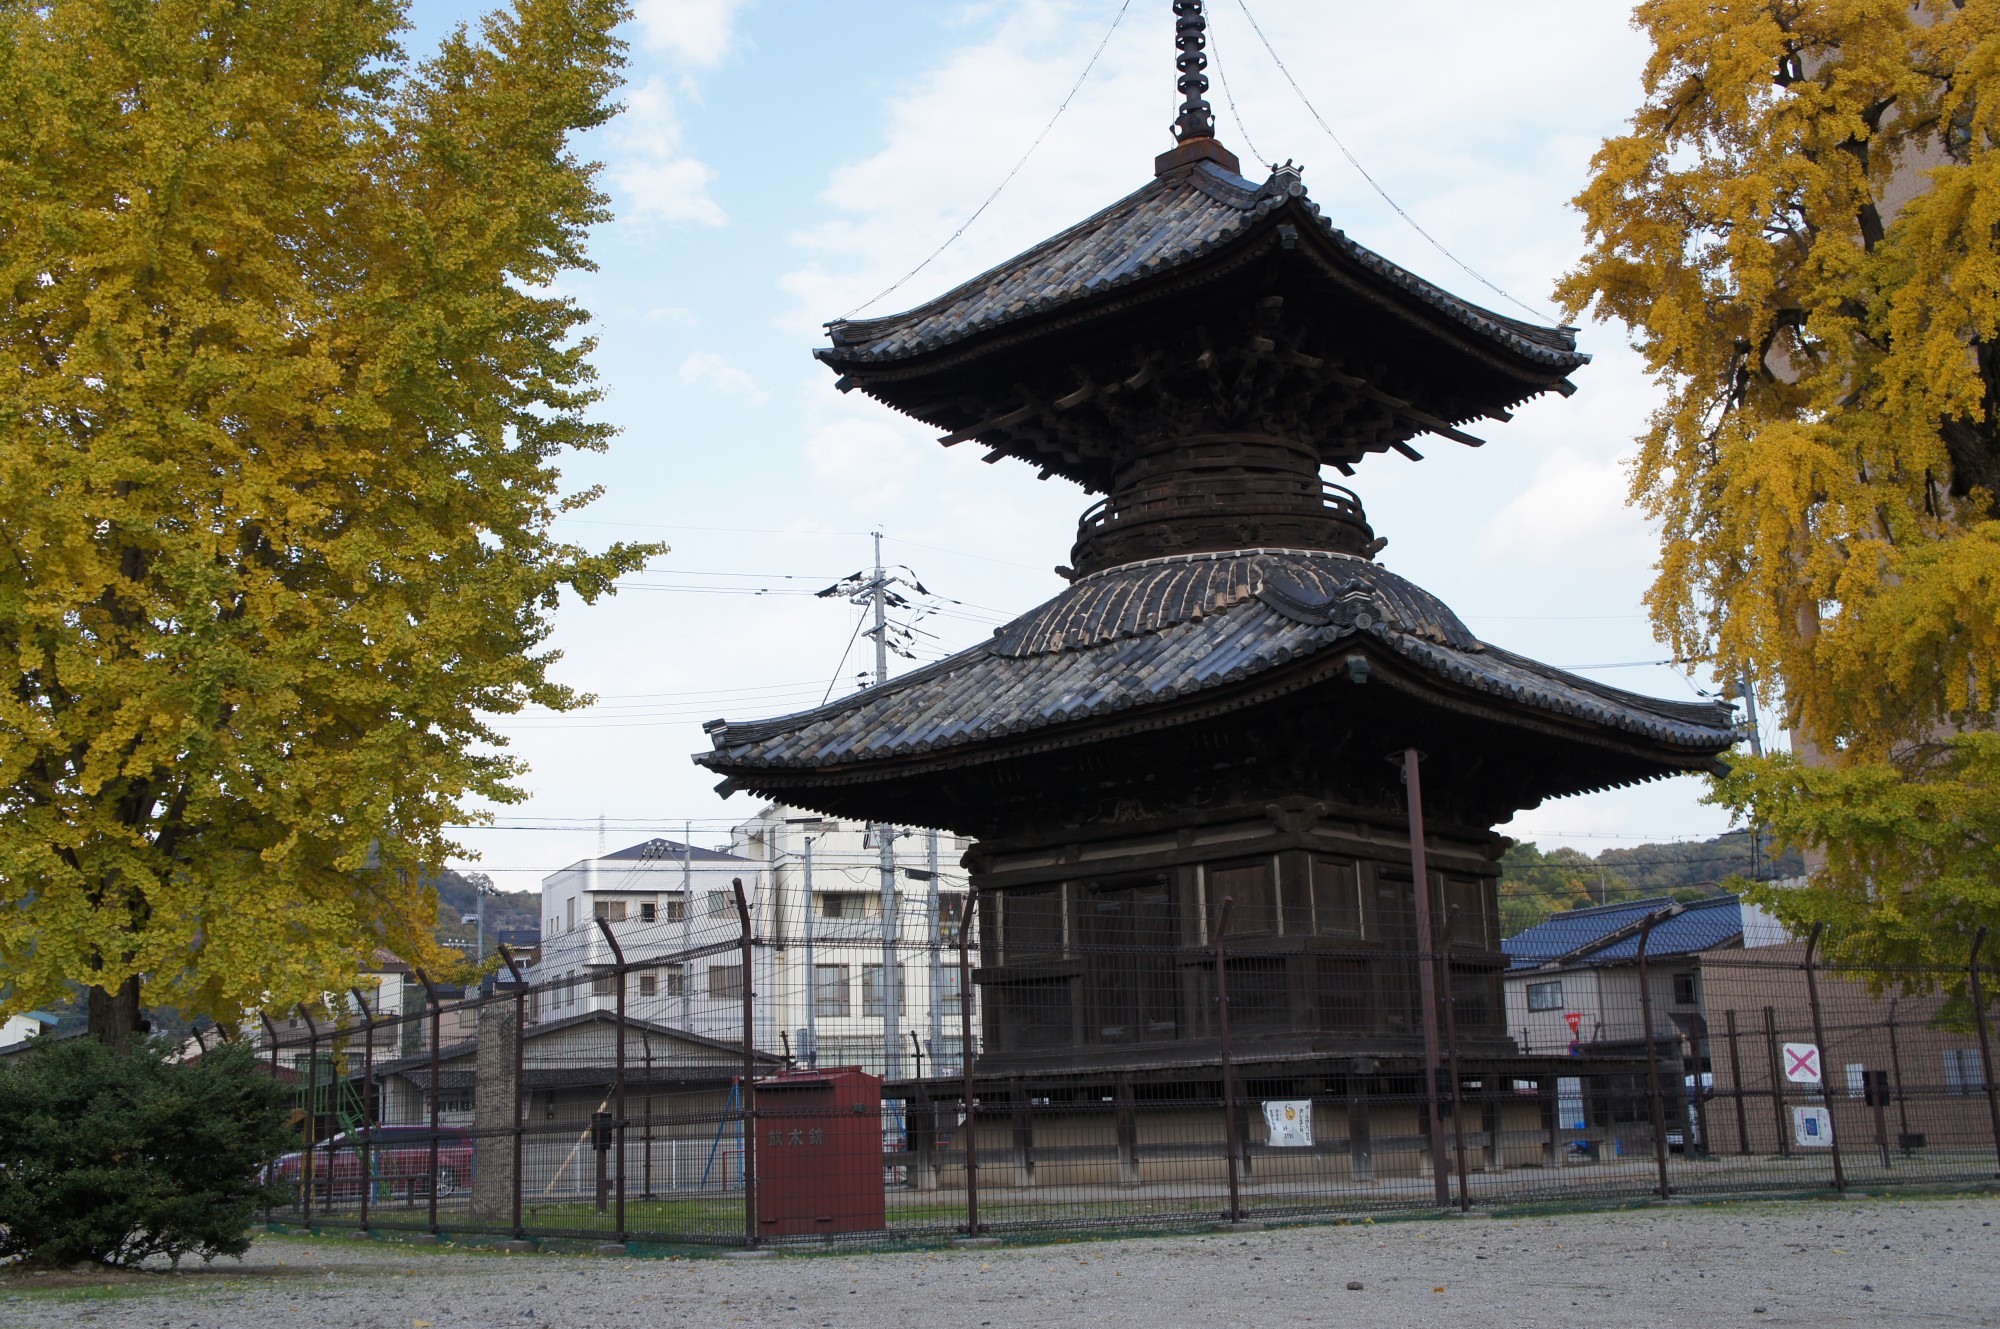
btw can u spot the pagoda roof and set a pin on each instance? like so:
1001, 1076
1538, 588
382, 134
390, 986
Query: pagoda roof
1170, 223
1134, 640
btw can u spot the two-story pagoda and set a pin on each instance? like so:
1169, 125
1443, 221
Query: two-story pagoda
1219, 702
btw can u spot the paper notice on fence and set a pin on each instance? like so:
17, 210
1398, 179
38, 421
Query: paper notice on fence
1289, 1122
1812, 1127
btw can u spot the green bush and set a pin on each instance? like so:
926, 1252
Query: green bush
117, 1158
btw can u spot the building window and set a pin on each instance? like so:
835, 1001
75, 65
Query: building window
1253, 909
1545, 996
951, 911
569, 914
1857, 1080
1964, 1073
1336, 898
948, 989
676, 976
611, 911
677, 909
830, 989
649, 985
725, 981
718, 904
649, 912
871, 989
603, 985
1686, 990
846, 906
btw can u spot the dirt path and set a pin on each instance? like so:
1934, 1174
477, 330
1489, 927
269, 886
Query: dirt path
1817, 1264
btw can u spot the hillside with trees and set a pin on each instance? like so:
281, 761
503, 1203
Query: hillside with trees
1535, 884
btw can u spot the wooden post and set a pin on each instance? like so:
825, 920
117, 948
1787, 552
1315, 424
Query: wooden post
1420, 881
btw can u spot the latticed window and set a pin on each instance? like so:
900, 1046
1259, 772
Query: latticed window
1545, 996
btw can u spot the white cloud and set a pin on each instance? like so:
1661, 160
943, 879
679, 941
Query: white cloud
652, 175
712, 371
696, 33
1574, 505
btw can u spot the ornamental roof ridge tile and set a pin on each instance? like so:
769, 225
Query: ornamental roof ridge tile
1158, 226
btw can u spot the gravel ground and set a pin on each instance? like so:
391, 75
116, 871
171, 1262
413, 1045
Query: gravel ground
1873, 1262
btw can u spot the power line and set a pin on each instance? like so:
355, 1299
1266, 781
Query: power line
1074, 88
1356, 164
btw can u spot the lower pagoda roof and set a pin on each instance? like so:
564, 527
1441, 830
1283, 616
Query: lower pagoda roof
1147, 643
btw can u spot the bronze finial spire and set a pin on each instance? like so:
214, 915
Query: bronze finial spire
1191, 36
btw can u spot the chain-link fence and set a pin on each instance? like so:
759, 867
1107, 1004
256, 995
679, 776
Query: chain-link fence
1245, 1067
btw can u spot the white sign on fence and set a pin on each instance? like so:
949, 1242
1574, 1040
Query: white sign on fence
1812, 1127
1801, 1063
1289, 1122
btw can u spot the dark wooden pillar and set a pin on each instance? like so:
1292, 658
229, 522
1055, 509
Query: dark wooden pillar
1360, 1143
1128, 1134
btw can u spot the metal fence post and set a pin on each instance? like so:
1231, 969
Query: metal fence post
437, 1037
1736, 1083
1896, 1071
1653, 1091
271, 1034
1420, 882
1777, 1082
618, 1071
520, 1061
308, 1162
749, 1095
965, 1059
1819, 1040
1450, 992
1235, 1214
1985, 1043
367, 1175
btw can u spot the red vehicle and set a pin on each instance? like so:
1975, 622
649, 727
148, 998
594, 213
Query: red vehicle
398, 1158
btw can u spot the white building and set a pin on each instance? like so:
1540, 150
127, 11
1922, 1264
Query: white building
816, 965
828, 996
671, 909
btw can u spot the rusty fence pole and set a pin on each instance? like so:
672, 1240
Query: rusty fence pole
965, 919
1451, 1054
749, 1095
1235, 1214
520, 1078
308, 1163
1896, 1072
1819, 1040
1978, 993
366, 1176
618, 1072
271, 1035
1736, 1083
1653, 1090
1777, 1082
1420, 883
437, 1037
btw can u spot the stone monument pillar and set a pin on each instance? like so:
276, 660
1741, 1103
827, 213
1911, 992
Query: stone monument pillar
495, 1114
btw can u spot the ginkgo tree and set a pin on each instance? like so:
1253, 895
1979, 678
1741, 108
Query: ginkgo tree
285, 384
1802, 231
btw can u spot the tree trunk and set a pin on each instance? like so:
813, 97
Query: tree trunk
114, 1016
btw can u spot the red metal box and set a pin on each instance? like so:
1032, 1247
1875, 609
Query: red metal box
819, 1152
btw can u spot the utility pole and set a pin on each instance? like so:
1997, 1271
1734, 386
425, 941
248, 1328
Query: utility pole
885, 843
811, 1048
687, 926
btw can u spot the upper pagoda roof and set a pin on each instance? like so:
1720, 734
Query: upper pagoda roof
1200, 303
1168, 224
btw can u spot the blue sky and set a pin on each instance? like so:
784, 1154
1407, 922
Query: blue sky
782, 161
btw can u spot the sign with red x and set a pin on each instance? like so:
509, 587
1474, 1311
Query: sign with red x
1802, 1063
